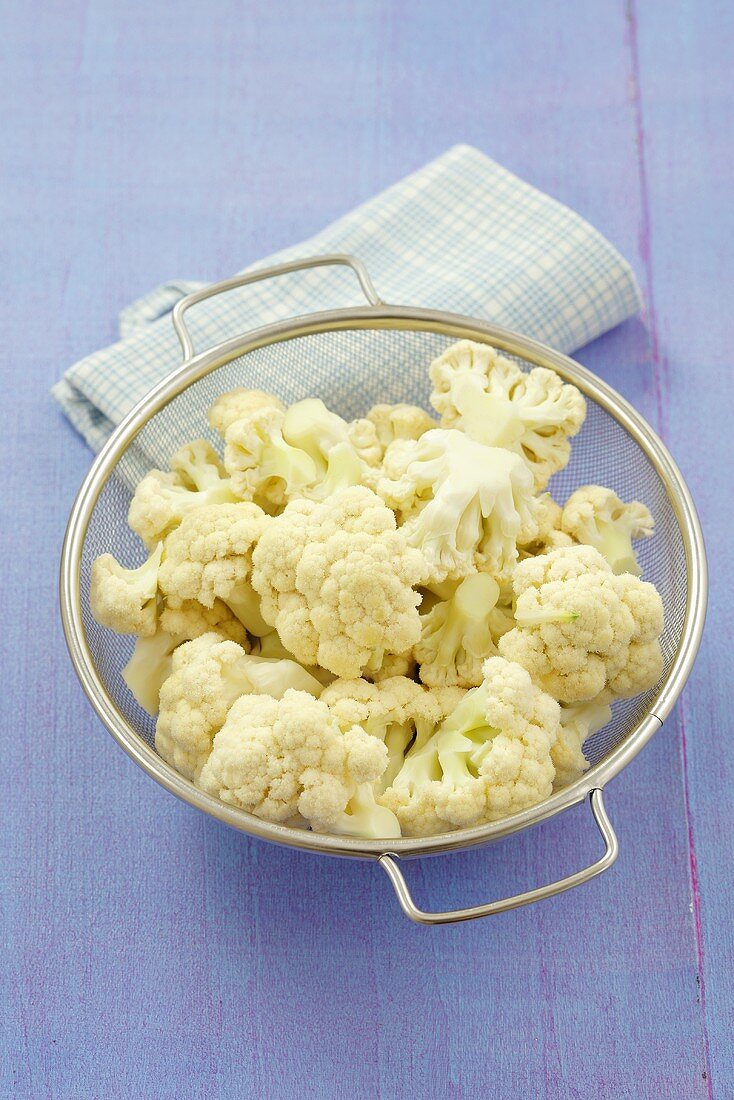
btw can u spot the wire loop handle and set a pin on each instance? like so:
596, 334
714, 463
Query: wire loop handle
335, 259
453, 916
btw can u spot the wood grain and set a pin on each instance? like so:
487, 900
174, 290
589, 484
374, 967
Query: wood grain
150, 952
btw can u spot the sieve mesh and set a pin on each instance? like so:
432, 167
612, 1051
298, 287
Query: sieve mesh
351, 370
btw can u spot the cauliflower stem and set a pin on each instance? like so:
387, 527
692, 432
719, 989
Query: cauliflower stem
456, 636
491, 757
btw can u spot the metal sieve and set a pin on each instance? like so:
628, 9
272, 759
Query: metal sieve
354, 358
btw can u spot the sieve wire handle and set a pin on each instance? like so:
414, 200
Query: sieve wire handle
453, 916
335, 259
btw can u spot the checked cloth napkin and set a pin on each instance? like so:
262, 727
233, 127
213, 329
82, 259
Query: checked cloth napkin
461, 234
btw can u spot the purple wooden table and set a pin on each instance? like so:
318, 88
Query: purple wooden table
150, 952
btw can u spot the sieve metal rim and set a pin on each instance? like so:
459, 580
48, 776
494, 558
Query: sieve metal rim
379, 315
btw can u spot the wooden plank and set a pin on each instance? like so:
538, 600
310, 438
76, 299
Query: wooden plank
686, 121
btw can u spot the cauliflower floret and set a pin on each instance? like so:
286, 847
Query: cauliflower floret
261, 463
597, 517
464, 505
125, 600
277, 758
198, 466
336, 581
189, 619
332, 443
317, 430
577, 725
362, 434
550, 536
305, 451
207, 675
399, 422
161, 500
490, 758
238, 403
396, 710
581, 629
209, 556
493, 401
150, 663
644, 664
456, 636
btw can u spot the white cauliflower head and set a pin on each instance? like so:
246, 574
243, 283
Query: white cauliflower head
491, 399
190, 619
304, 451
490, 758
549, 535
151, 660
161, 500
261, 463
456, 636
343, 453
362, 435
336, 581
580, 629
239, 403
597, 517
400, 421
209, 556
278, 758
125, 600
207, 675
396, 710
463, 505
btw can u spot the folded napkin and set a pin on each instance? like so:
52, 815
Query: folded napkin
461, 234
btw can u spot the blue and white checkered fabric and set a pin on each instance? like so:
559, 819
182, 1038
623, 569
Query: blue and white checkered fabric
461, 234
